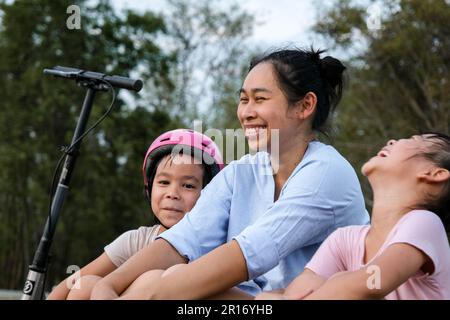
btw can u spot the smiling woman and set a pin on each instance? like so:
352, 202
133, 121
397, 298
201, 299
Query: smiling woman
263, 108
251, 229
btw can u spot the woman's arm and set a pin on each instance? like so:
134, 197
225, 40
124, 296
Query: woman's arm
100, 267
392, 268
212, 274
158, 255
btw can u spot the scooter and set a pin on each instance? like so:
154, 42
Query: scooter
94, 82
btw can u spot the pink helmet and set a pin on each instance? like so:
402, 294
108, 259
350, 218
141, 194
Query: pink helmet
198, 145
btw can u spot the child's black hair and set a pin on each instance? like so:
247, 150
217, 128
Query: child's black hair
439, 154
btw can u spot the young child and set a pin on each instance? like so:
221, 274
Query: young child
173, 181
404, 253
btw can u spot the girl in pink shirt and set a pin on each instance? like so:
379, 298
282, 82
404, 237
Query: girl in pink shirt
404, 253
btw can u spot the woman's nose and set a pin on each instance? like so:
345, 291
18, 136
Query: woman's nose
247, 111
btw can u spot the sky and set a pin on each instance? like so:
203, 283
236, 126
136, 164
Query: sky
285, 21
279, 22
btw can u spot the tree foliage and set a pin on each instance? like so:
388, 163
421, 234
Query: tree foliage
398, 84
38, 115
210, 41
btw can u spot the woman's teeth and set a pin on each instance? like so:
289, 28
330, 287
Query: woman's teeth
254, 131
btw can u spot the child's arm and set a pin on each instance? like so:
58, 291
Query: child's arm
392, 268
100, 267
213, 273
158, 255
277, 294
301, 286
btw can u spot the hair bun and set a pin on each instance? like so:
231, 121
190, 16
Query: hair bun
331, 70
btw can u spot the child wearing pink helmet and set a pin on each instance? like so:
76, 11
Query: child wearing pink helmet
177, 165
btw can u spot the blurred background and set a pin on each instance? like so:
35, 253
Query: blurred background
192, 56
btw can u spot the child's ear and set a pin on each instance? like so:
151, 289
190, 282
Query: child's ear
307, 105
435, 175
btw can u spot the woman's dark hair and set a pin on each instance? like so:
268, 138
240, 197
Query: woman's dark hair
439, 154
301, 71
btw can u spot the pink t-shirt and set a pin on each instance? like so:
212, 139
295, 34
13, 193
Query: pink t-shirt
344, 250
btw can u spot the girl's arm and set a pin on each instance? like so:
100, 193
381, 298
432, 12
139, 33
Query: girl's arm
387, 272
100, 267
212, 274
303, 285
158, 255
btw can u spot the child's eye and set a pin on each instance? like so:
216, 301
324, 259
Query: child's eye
164, 182
189, 186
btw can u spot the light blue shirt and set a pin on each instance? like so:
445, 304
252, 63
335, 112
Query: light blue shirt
277, 238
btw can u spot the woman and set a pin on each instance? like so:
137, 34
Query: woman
255, 227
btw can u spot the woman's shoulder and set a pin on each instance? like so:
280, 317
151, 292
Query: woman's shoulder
324, 169
252, 163
321, 152
260, 157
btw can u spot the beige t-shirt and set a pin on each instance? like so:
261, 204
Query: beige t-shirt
130, 242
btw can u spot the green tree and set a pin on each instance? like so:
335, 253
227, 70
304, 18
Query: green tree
398, 71
210, 41
38, 114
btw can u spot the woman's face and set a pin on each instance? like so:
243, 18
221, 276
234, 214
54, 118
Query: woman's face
176, 188
263, 108
399, 157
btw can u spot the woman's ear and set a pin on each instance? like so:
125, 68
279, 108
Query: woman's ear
435, 175
307, 105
